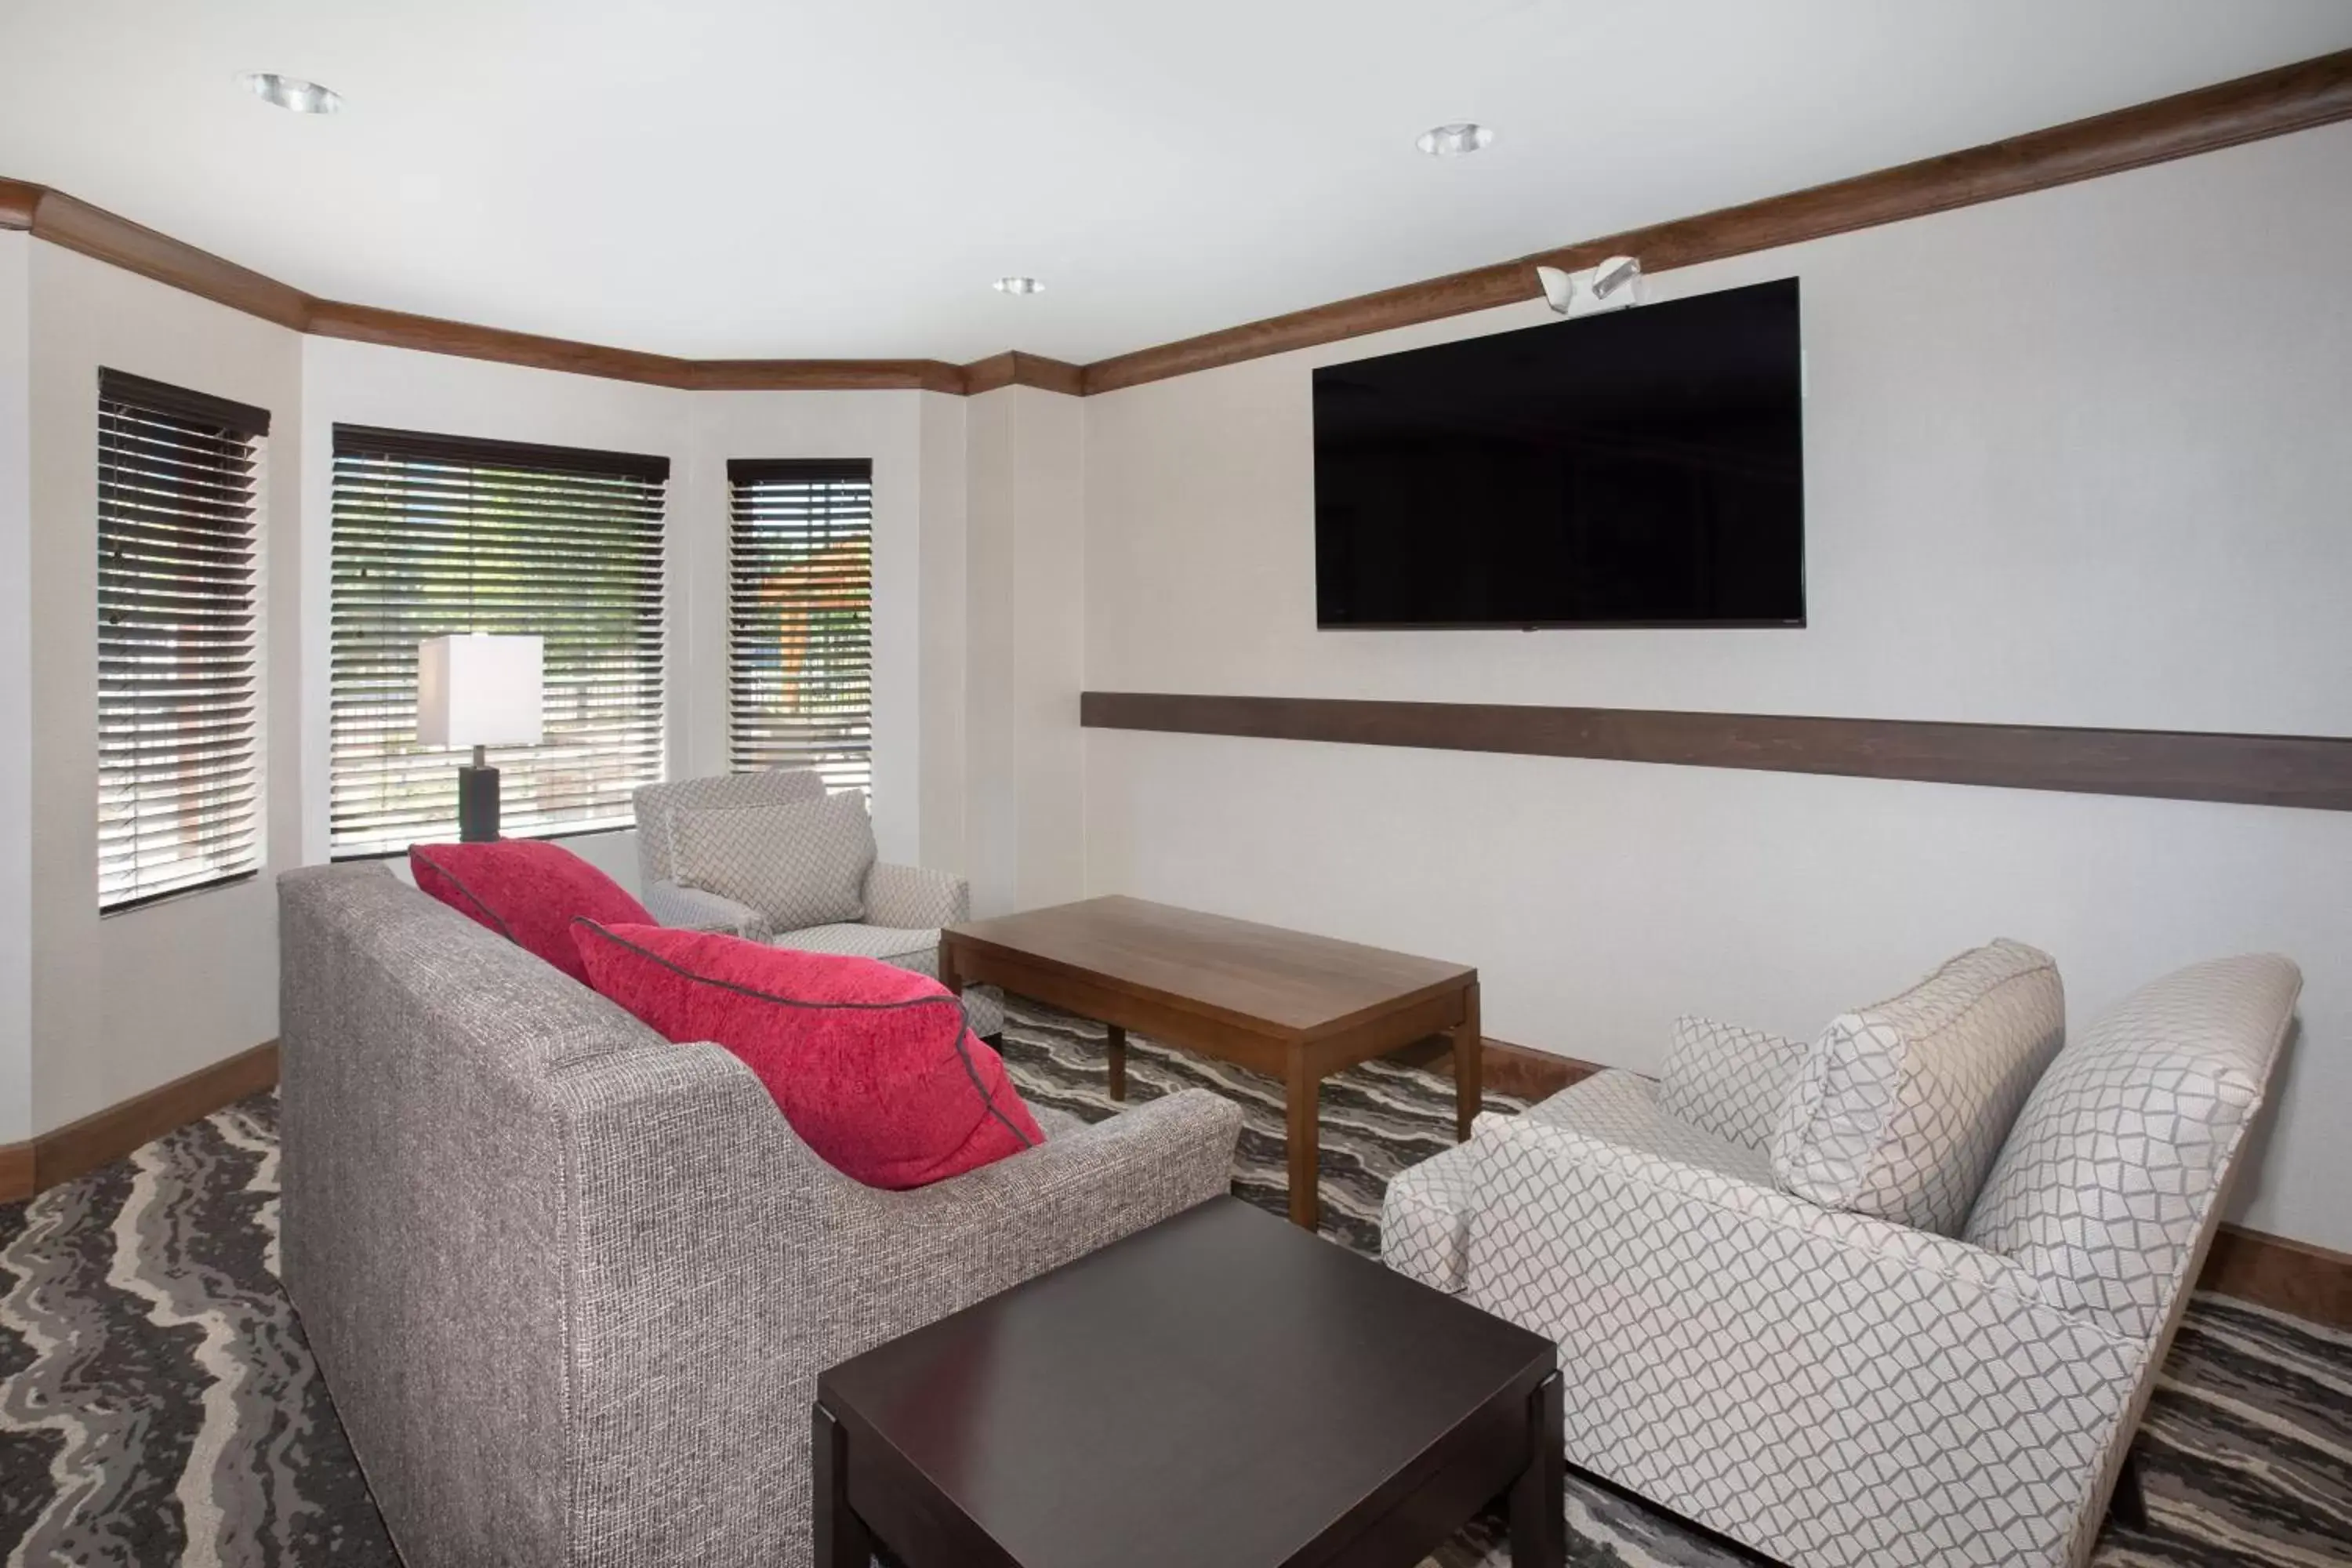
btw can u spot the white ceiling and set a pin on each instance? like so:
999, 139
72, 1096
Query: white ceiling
782, 178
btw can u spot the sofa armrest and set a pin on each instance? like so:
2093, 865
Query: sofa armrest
720, 1266
693, 909
1701, 1314
912, 898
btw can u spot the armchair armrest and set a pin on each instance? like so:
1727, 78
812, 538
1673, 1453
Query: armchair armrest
692, 908
912, 898
1702, 1314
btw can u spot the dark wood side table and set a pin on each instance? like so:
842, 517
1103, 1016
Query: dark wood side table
1294, 1007
1219, 1391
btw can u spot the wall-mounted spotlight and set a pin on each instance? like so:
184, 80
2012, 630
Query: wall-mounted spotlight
1612, 285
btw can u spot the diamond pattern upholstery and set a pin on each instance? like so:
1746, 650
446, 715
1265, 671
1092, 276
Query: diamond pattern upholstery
900, 908
1900, 1107
2109, 1181
1730, 1081
1835, 1390
657, 803
800, 863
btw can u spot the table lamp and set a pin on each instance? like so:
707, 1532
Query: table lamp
478, 690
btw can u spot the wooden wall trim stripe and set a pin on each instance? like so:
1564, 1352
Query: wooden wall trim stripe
82, 1146
2309, 771
2270, 104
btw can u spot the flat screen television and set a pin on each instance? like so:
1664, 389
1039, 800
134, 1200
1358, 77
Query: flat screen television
1641, 467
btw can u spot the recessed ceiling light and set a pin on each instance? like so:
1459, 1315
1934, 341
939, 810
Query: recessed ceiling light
1452, 141
1018, 286
291, 92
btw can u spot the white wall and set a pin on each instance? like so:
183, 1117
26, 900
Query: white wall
95, 1011
16, 688
1025, 626
2078, 458
123, 1003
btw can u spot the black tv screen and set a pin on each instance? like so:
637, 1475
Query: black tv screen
1641, 467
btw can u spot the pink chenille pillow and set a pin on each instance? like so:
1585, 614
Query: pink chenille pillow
873, 1065
527, 890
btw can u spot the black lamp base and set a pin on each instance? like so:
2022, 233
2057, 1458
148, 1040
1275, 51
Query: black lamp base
477, 803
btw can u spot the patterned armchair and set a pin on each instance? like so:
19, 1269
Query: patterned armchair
1828, 1387
905, 906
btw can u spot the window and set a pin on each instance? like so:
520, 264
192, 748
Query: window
178, 773
438, 534
800, 622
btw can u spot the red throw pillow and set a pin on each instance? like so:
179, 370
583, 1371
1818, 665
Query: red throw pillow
871, 1064
526, 889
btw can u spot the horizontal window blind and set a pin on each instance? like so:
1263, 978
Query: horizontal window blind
179, 770
441, 534
801, 618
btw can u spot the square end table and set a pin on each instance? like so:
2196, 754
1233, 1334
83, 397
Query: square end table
1218, 1391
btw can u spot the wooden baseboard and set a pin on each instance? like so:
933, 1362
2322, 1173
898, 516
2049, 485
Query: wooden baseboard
82, 1146
2296, 1277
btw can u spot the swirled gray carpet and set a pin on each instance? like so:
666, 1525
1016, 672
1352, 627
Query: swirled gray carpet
158, 1404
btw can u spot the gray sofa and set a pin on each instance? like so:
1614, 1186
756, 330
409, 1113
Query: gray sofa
570, 1285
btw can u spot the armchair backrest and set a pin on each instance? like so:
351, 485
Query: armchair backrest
656, 802
2111, 1181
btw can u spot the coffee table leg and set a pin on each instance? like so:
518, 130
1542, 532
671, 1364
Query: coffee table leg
1469, 1065
1304, 1093
1538, 1506
1117, 1050
842, 1538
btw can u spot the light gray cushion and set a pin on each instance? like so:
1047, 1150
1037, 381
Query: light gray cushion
1900, 1107
1729, 1080
800, 863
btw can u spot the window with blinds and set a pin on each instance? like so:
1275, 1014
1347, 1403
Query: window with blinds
800, 621
179, 769
440, 535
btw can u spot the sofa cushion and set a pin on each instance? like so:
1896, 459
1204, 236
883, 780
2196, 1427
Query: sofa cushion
1900, 1107
872, 1065
2110, 1179
526, 889
906, 949
800, 863
1729, 1080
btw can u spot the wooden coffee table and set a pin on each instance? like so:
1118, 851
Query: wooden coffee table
1293, 1006
1218, 1389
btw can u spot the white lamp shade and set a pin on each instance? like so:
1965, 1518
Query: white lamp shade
478, 690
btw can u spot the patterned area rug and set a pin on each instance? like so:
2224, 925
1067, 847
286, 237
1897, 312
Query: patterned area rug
158, 1404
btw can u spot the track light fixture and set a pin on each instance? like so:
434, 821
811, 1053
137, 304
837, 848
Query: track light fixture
1615, 283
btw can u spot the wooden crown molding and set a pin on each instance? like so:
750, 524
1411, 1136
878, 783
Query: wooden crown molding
2309, 771
2269, 103
1024, 369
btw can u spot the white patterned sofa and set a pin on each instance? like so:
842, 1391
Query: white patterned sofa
902, 907
1832, 1388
